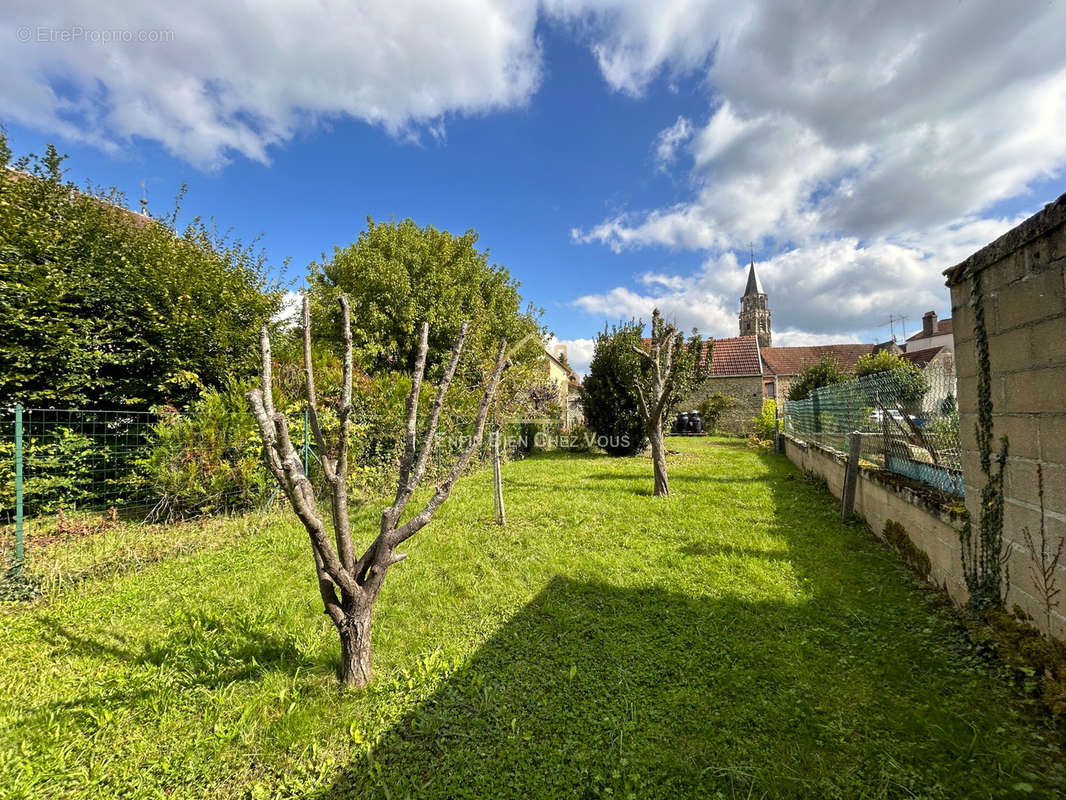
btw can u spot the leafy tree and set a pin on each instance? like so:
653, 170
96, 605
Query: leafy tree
814, 376
908, 381
609, 395
104, 308
397, 275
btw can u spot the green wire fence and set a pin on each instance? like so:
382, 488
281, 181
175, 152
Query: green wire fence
161, 466
908, 422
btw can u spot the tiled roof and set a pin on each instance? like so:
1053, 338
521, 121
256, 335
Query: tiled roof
738, 355
942, 327
922, 357
792, 360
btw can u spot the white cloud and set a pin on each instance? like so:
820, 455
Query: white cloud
820, 292
862, 150
232, 79
289, 313
670, 139
881, 121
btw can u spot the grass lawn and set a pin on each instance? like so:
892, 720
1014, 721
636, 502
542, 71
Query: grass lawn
732, 641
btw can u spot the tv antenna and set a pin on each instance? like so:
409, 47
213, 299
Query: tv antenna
893, 320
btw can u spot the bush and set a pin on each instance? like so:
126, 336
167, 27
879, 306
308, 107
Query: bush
765, 425
712, 408
814, 376
909, 383
104, 308
208, 460
608, 396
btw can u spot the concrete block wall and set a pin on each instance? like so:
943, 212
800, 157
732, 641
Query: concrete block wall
1023, 280
932, 525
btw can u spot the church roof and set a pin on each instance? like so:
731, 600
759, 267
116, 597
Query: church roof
754, 284
792, 360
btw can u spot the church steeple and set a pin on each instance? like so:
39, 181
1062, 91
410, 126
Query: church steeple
754, 308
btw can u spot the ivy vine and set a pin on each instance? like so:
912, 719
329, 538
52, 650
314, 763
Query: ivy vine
984, 560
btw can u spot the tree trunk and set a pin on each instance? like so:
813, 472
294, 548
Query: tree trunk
355, 666
658, 458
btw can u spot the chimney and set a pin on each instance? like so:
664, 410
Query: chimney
929, 323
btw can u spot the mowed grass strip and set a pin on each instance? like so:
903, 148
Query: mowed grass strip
733, 640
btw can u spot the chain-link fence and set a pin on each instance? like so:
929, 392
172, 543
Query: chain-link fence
908, 421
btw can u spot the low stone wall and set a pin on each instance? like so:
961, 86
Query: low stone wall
920, 524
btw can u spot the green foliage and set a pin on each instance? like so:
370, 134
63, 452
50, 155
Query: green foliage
764, 426
814, 376
712, 408
738, 641
398, 275
608, 393
909, 384
882, 361
103, 308
208, 459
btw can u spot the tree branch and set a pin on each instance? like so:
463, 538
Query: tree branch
419, 521
406, 488
312, 395
339, 485
412, 410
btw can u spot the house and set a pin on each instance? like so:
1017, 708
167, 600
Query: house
938, 364
736, 371
567, 384
934, 333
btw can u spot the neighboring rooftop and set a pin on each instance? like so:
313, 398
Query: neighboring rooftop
923, 357
792, 360
738, 355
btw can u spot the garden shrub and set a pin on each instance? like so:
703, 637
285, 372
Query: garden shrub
712, 408
608, 395
814, 376
207, 460
764, 425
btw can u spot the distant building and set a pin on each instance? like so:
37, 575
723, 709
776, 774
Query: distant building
568, 385
934, 333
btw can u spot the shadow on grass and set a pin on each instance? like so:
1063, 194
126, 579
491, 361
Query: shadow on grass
598, 691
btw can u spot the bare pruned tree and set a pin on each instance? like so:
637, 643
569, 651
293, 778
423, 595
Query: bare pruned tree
349, 585
670, 369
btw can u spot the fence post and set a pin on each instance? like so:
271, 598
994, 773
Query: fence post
851, 475
18, 488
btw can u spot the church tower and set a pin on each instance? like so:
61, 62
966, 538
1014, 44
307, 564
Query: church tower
754, 310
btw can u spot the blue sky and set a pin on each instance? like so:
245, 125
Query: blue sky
613, 156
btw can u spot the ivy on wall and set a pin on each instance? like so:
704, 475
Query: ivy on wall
984, 560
